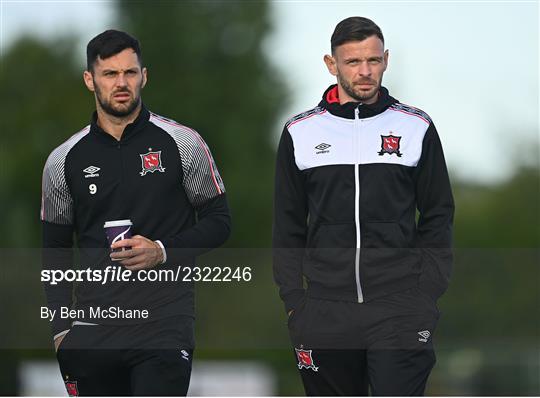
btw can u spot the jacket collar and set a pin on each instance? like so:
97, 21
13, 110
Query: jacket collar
129, 131
330, 102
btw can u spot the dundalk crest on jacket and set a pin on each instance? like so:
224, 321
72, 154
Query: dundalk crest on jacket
390, 145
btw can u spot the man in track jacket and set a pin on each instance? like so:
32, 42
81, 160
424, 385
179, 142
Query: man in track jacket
135, 336
351, 174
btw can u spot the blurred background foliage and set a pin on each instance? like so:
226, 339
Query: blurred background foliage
207, 70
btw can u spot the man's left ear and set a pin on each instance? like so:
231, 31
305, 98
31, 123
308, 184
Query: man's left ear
330, 62
144, 76
386, 55
88, 80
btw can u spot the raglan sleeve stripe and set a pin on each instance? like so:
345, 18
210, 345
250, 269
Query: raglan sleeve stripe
201, 178
57, 235
56, 199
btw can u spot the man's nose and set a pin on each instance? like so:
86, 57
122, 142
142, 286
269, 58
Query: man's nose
121, 80
364, 69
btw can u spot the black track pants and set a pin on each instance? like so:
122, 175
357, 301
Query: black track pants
384, 346
352, 372
148, 359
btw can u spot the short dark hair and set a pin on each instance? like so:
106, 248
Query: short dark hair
353, 29
109, 43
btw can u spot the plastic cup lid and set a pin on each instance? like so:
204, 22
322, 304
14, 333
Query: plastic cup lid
117, 223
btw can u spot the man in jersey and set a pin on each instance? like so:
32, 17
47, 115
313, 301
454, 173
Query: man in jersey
127, 337
350, 175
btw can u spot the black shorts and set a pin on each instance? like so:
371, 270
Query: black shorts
146, 359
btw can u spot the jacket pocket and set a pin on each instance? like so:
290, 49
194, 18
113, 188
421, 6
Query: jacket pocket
386, 234
330, 253
328, 242
386, 256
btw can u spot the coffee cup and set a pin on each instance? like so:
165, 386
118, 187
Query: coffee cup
118, 230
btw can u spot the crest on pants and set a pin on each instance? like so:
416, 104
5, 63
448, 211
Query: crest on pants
71, 387
305, 359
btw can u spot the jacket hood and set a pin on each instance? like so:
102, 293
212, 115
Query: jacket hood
330, 101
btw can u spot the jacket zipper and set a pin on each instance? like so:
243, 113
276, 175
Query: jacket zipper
357, 204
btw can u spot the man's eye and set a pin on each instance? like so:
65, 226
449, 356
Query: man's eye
374, 61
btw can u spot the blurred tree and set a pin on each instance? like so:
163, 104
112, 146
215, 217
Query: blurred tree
43, 103
495, 287
500, 216
207, 69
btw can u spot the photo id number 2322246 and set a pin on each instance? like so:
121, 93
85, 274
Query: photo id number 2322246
216, 274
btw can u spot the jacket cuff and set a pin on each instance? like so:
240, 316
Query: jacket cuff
163, 251
294, 298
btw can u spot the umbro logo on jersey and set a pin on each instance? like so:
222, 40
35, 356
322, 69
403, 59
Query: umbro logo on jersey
424, 336
151, 162
322, 148
91, 172
390, 145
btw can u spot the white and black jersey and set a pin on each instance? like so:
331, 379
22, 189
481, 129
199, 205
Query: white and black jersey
349, 180
161, 176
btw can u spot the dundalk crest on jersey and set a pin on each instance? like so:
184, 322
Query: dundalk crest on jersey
390, 145
151, 162
305, 359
